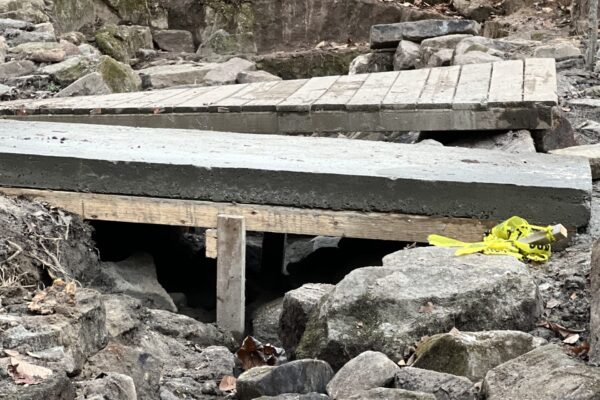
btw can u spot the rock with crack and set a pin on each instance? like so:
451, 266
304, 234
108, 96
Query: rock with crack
473, 354
380, 61
227, 72
429, 47
383, 308
164, 76
297, 306
442, 386
368, 370
300, 376
546, 373
179, 41
88, 85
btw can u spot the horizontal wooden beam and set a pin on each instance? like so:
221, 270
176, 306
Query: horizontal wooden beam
259, 218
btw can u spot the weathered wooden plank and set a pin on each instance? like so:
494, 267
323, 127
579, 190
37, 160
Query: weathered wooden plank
203, 101
268, 100
231, 274
540, 84
336, 97
259, 218
406, 91
304, 97
440, 87
372, 92
235, 102
473, 87
506, 86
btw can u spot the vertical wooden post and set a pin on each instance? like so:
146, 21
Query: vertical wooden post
231, 274
593, 25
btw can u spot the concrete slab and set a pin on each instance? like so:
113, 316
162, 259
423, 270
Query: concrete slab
295, 171
590, 152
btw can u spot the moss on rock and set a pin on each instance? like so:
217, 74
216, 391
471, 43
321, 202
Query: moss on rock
118, 76
122, 42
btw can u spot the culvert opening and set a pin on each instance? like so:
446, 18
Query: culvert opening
176, 257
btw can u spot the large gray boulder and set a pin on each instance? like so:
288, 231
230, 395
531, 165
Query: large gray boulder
381, 308
56, 387
122, 42
367, 371
256, 76
16, 68
164, 76
297, 306
429, 47
88, 85
389, 394
15, 37
179, 41
479, 10
380, 61
559, 50
110, 386
227, 72
442, 386
546, 373
389, 35
265, 322
43, 52
407, 56
473, 354
300, 376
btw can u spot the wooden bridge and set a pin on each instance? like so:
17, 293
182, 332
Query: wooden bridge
503, 95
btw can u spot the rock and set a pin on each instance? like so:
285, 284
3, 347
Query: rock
77, 38
429, 47
473, 354
366, 371
121, 42
512, 142
441, 58
297, 305
389, 35
222, 42
595, 305
442, 386
56, 387
296, 396
543, 374
6, 90
265, 322
164, 76
44, 27
69, 48
8, 23
66, 72
40, 51
559, 51
33, 11
381, 61
15, 37
74, 331
181, 327
256, 76
143, 367
3, 50
407, 56
88, 85
136, 277
479, 10
503, 48
88, 50
300, 376
474, 57
364, 311
227, 72
216, 362
559, 136
390, 394
119, 77
178, 41
123, 314
110, 386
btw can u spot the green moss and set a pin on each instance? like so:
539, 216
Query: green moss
109, 44
119, 77
443, 353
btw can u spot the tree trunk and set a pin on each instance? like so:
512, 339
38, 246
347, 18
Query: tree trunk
579, 15
593, 39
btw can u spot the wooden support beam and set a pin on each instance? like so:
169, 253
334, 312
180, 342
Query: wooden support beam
231, 274
259, 218
210, 243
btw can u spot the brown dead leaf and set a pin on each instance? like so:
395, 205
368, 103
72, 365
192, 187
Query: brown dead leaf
572, 339
573, 296
46, 301
581, 350
227, 384
557, 328
24, 373
253, 353
552, 303
427, 308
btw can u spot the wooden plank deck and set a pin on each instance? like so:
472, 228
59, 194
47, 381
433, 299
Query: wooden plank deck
503, 95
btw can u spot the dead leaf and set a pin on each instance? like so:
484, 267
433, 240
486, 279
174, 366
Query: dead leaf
227, 383
572, 339
24, 373
253, 353
573, 296
45, 302
402, 363
581, 350
427, 308
11, 353
553, 303
557, 328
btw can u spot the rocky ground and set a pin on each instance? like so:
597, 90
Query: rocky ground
126, 312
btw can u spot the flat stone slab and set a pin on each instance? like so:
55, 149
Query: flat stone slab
295, 171
507, 95
590, 152
389, 35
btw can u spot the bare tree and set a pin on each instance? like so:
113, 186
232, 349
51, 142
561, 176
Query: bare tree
593, 27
